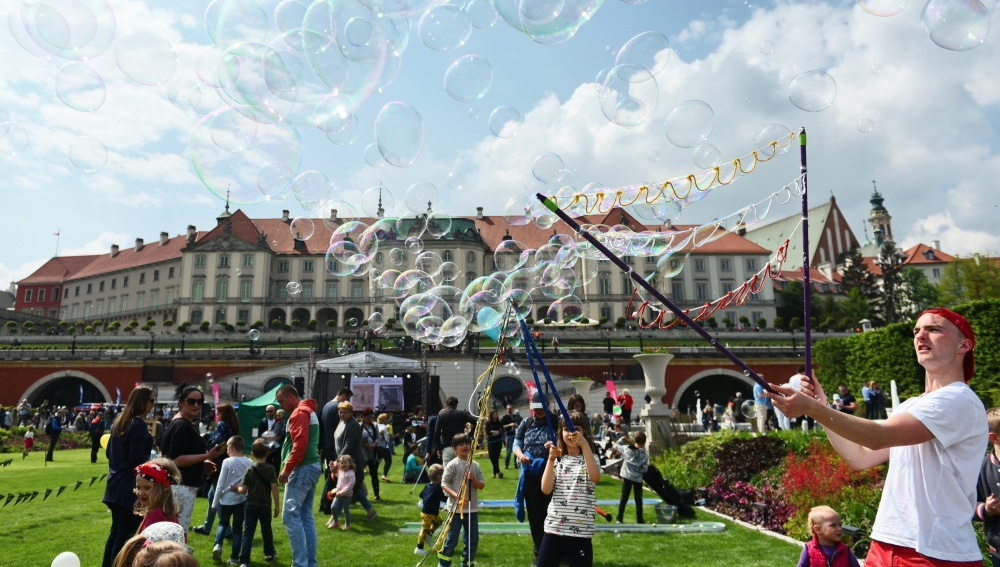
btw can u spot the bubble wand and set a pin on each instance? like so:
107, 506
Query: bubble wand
640, 281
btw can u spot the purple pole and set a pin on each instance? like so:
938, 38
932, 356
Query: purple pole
806, 282
552, 206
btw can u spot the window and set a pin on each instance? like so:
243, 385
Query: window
937, 273
751, 264
282, 290
651, 259
677, 290
196, 317
605, 313
140, 300
470, 257
77, 291
55, 294
223, 260
73, 314
447, 256
220, 316
142, 278
282, 266
470, 277
357, 289
731, 317
156, 275
199, 262
728, 287
756, 316
125, 281
243, 315
604, 283
246, 290
100, 287
699, 265
154, 298
170, 297
628, 260
379, 258
41, 295
332, 290
726, 265
170, 273
626, 284
331, 267
701, 290
111, 306
197, 290
221, 289
100, 307
90, 288
123, 304
247, 261
86, 310
27, 295
307, 290
307, 266
114, 283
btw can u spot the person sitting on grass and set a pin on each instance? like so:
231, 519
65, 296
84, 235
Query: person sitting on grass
414, 464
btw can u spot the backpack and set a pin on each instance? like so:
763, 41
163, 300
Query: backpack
48, 426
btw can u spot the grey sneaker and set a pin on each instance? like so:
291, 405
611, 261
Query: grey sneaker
419, 551
269, 558
217, 553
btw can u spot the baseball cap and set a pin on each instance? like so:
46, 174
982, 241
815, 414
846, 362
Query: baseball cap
536, 401
969, 364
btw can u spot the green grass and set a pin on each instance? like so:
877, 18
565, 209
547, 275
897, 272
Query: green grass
33, 533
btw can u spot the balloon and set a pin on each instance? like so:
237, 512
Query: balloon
104, 440
66, 559
617, 410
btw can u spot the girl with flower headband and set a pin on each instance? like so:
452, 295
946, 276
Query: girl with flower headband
154, 496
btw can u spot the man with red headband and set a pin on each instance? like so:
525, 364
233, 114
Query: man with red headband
934, 444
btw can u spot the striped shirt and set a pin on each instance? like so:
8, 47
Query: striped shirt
571, 510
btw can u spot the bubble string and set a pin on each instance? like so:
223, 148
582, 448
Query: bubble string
738, 296
639, 280
716, 178
478, 433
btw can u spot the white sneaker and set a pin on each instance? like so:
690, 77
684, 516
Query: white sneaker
418, 551
217, 553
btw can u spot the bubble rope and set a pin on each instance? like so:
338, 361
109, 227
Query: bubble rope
680, 188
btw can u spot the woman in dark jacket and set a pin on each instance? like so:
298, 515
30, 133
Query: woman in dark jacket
129, 446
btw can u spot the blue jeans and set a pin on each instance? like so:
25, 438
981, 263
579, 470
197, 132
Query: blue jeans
469, 524
342, 505
297, 515
232, 512
252, 515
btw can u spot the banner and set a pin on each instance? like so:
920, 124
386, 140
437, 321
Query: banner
380, 394
215, 393
118, 395
81, 394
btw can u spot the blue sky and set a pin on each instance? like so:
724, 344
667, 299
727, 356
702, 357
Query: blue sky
918, 118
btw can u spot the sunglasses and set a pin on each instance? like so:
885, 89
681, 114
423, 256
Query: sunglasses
195, 401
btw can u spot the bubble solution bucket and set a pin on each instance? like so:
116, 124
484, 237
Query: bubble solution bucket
665, 513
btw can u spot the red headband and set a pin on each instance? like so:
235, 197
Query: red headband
969, 364
155, 473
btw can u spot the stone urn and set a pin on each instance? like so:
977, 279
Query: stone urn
657, 415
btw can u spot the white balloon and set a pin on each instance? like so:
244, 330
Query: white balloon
66, 559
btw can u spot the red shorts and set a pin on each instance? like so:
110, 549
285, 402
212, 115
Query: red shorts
29, 443
888, 555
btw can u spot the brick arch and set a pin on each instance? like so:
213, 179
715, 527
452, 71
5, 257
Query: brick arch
691, 380
44, 381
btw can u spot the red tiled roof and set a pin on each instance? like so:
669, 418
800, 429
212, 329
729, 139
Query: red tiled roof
129, 258
918, 253
57, 270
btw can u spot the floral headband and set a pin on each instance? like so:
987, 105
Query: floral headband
155, 473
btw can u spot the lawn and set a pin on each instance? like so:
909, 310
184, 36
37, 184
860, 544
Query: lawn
34, 532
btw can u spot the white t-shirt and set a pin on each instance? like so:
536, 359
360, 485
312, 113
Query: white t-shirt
930, 490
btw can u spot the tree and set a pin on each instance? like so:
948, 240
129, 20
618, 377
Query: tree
919, 292
856, 275
890, 303
855, 308
779, 323
789, 301
970, 279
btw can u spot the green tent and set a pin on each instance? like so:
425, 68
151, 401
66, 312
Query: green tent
252, 411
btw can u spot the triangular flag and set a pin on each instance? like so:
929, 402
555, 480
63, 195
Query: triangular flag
61, 488
93, 479
48, 491
20, 498
33, 496
9, 498
104, 476
78, 484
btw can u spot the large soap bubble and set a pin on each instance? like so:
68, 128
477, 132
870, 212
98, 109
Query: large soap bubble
399, 133
812, 91
956, 25
689, 123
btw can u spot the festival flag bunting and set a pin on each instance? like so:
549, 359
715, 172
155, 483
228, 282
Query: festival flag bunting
9, 498
48, 491
61, 488
93, 479
78, 484
20, 498
104, 476
33, 496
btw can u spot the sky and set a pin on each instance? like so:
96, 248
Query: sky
309, 106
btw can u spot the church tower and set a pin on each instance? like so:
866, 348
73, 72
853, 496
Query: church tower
879, 218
